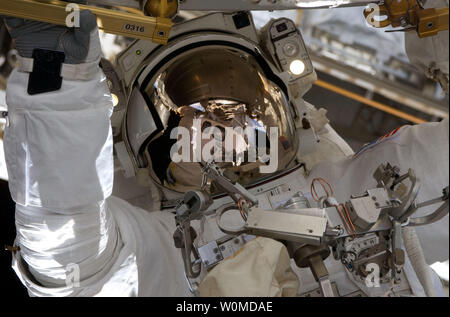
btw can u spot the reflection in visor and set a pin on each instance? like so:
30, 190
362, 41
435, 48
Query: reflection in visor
225, 90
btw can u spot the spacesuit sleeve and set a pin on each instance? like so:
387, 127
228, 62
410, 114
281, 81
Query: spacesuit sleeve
58, 149
59, 145
74, 239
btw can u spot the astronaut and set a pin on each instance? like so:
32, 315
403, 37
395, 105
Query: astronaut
75, 238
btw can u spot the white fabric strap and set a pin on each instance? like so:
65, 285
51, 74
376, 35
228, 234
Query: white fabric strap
85, 71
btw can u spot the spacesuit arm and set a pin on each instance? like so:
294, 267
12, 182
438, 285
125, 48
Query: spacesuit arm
58, 148
74, 239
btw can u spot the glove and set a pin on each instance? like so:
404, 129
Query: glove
74, 42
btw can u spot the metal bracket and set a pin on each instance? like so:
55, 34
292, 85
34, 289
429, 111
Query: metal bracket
440, 213
398, 254
408, 14
155, 29
212, 171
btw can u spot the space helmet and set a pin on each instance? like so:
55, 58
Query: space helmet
230, 88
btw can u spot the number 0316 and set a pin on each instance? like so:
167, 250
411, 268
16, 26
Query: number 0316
134, 28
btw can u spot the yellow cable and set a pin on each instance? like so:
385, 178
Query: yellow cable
369, 102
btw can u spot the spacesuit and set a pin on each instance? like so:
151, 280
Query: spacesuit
76, 239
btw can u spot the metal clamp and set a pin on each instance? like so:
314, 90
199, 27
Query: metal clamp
220, 212
440, 213
233, 190
155, 29
408, 14
183, 238
387, 176
193, 205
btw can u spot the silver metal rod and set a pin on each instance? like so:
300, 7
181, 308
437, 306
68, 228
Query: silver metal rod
326, 287
440, 213
244, 5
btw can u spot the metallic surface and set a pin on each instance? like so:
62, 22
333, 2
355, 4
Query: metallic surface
363, 212
437, 215
306, 237
365, 251
318, 292
237, 5
231, 88
393, 90
207, 74
302, 253
409, 14
210, 254
280, 225
111, 21
162, 8
235, 190
313, 257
